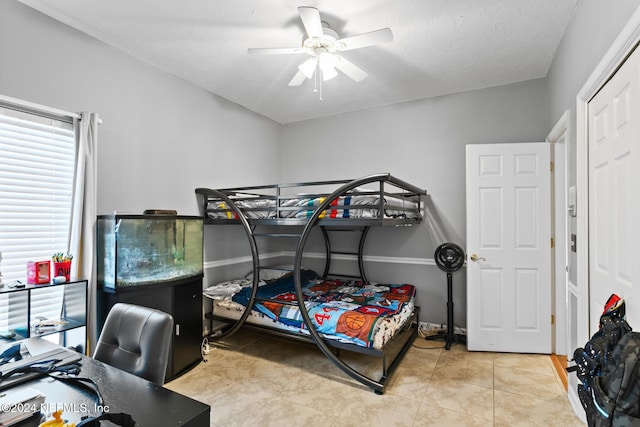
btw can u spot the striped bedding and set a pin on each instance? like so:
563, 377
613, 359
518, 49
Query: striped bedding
352, 206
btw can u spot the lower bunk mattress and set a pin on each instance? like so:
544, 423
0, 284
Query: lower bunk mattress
366, 314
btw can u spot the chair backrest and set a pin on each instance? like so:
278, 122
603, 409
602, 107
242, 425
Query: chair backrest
136, 339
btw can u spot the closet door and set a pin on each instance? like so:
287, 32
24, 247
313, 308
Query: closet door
614, 205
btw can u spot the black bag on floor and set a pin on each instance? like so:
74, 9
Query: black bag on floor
608, 369
591, 359
616, 392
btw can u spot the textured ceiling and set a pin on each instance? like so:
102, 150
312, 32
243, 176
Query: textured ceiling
439, 46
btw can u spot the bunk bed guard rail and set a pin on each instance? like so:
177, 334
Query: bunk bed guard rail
379, 199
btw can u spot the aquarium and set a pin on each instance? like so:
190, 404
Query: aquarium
137, 250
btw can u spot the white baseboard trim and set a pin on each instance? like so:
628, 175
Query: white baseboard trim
320, 255
574, 401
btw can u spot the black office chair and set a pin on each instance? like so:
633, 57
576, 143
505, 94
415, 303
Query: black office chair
136, 339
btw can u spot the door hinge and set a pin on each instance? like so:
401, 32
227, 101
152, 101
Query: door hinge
552, 243
551, 166
553, 319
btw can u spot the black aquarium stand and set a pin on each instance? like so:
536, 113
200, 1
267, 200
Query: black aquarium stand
182, 299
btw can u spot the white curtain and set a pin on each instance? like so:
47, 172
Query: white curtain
82, 233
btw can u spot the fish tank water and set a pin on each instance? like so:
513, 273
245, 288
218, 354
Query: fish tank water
138, 250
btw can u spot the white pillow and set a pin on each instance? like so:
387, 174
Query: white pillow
226, 290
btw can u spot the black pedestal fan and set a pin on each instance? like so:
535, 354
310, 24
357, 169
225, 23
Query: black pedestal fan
449, 258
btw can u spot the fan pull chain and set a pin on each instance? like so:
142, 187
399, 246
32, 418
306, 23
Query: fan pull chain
318, 81
315, 80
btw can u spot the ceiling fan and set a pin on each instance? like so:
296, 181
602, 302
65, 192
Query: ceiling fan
322, 43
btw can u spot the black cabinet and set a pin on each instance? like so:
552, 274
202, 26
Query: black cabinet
187, 308
182, 299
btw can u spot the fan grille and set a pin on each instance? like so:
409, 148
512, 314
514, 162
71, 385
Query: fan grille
449, 257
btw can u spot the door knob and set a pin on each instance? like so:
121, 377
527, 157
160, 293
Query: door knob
475, 257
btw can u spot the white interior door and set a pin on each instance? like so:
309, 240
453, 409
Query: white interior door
509, 247
614, 214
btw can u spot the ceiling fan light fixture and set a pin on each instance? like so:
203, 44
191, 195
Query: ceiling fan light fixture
327, 63
328, 73
308, 67
327, 59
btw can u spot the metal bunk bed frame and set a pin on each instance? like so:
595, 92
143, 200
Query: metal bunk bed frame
392, 352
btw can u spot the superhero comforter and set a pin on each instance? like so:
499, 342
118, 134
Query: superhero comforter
364, 313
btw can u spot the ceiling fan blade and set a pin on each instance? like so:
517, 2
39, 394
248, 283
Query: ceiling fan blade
297, 79
311, 20
365, 39
275, 50
350, 69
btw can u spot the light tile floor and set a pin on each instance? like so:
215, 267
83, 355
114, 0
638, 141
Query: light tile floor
251, 380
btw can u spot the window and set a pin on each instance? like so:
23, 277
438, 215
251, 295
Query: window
37, 155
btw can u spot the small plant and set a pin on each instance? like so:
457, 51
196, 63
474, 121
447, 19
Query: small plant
61, 257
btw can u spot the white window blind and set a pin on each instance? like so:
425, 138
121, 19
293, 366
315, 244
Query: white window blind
36, 177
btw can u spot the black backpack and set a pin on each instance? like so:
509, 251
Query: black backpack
616, 392
608, 368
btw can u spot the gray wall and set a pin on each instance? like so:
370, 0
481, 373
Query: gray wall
593, 28
422, 142
161, 137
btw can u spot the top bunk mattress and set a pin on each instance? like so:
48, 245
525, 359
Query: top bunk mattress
377, 197
351, 206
